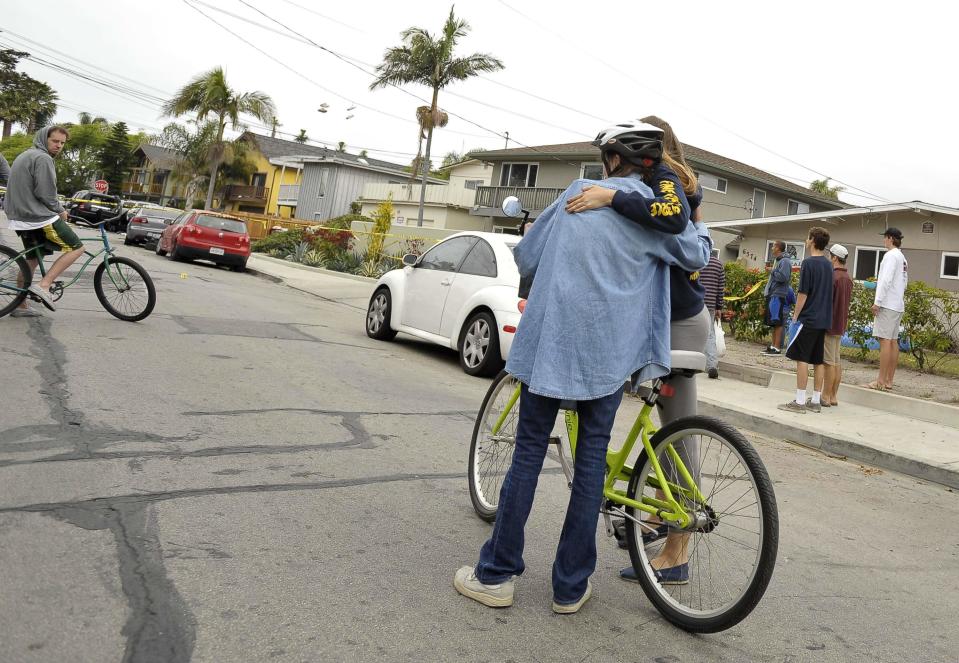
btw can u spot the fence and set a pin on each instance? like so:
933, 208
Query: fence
259, 226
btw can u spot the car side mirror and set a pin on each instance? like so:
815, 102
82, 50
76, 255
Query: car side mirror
410, 260
512, 206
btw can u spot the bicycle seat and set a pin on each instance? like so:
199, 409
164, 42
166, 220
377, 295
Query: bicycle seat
687, 361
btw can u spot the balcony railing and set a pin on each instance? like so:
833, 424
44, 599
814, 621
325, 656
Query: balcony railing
288, 195
150, 189
245, 193
532, 198
437, 194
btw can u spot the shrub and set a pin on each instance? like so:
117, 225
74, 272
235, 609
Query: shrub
382, 220
281, 241
745, 316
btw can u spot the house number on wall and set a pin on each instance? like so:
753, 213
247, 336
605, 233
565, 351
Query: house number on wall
928, 227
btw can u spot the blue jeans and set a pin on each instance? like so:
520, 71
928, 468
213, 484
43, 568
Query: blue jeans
502, 556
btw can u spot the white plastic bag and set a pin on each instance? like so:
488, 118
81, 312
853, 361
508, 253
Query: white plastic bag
720, 339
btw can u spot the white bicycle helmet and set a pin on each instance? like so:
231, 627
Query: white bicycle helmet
635, 141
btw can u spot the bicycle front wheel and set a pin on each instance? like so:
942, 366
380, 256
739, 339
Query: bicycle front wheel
719, 567
14, 275
129, 294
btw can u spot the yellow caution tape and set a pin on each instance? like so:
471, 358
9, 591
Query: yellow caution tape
748, 292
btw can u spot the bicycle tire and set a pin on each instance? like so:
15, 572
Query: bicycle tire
98, 288
16, 300
756, 582
483, 503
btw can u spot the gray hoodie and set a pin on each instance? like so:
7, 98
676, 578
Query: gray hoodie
32, 189
4, 171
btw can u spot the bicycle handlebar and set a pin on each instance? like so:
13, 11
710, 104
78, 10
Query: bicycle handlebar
118, 208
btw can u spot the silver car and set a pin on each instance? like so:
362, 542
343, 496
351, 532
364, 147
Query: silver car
147, 223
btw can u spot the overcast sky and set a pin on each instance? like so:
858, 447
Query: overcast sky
863, 93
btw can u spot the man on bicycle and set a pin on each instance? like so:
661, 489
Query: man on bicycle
37, 216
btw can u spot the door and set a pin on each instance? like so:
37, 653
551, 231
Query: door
478, 271
428, 284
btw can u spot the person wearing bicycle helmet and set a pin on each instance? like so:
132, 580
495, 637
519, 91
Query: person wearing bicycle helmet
590, 323
690, 323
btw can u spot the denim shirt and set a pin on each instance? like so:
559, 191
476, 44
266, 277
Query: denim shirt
598, 310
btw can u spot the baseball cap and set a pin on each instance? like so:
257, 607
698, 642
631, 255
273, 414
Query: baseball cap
895, 233
839, 251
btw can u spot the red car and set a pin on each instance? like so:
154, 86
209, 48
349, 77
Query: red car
204, 235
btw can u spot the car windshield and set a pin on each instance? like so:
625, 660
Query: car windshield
221, 223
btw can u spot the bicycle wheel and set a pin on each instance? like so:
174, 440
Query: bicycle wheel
11, 268
132, 297
491, 455
731, 548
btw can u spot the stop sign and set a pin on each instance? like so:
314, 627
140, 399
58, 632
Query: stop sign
101, 186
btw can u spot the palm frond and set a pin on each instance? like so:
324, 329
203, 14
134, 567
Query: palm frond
462, 68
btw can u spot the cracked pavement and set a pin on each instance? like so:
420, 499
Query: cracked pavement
245, 476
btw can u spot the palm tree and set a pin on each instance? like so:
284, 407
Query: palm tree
209, 94
341, 146
302, 137
87, 118
428, 60
822, 188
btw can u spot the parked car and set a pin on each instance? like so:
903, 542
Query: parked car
148, 223
205, 235
94, 206
461, 294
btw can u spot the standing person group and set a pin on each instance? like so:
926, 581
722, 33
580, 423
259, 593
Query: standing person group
888, 307
841, 296
777, 293
814, 315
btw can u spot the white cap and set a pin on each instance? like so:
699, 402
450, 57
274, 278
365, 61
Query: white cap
839, 251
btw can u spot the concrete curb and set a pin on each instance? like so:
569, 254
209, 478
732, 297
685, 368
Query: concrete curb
834, 443
315, 270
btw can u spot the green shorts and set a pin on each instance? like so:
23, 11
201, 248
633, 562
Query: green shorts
57, 236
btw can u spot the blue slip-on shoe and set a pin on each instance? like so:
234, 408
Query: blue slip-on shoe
674, 575
628, 574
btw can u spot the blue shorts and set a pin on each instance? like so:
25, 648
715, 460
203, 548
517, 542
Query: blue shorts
776, 311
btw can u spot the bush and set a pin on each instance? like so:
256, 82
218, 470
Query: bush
284, 242
345, 222
745, 316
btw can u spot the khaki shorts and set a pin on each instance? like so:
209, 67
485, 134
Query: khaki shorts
886, 324
831, 354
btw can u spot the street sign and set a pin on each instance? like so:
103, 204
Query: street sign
101, 186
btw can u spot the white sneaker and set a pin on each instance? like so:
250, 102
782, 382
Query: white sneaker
43, 295
570, 608
494, 596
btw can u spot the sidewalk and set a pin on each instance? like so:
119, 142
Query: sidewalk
893, 432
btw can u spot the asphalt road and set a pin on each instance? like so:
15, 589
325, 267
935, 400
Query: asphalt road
245, 476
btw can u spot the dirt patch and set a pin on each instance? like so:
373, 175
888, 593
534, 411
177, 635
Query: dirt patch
908, 381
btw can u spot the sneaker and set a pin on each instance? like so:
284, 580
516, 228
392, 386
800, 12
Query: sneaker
713, 373
771, 351
494, 596
793, 406
570, 608
42, 295
25, 313
813, 407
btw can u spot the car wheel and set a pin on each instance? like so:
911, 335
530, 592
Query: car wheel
158, 250
378, 316
479, 346
175, 253
239, 268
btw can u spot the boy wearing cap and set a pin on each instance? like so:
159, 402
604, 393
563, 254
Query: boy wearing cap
889, 306
841, 296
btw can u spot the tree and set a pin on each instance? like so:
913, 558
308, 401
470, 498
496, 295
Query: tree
341, 146
193, 148
302, 138
79, 162
23, 99
428, 60
209, 94
362, 154
823, 189
116, 157
87, 118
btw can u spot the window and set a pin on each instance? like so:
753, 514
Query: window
447, 256
258, 179
221, 223
518, 174
472, 184
796, 207
481, 261
795, 250
323, 179
950, 266
713, 182
868, 259
592, 171
506, 230
759, 203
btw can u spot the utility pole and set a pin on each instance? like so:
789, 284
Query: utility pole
507, 140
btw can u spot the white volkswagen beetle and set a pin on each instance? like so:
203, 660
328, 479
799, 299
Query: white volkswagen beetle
462, 294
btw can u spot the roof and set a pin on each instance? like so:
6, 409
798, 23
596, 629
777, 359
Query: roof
161, 156
915, 206
276, 148
696, 156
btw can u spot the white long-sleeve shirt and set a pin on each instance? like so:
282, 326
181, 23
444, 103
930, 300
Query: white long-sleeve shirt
891, 281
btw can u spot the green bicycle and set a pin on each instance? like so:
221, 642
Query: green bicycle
696, 481
123, 287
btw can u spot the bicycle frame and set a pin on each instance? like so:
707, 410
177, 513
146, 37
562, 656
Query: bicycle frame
667, 509
36, 253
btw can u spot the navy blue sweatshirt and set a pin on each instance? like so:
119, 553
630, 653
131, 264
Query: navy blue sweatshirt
669, 212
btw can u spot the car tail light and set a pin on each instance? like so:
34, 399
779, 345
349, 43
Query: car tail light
521, 305
138, 219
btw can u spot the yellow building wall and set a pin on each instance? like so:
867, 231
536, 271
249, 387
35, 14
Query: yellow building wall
273, 182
